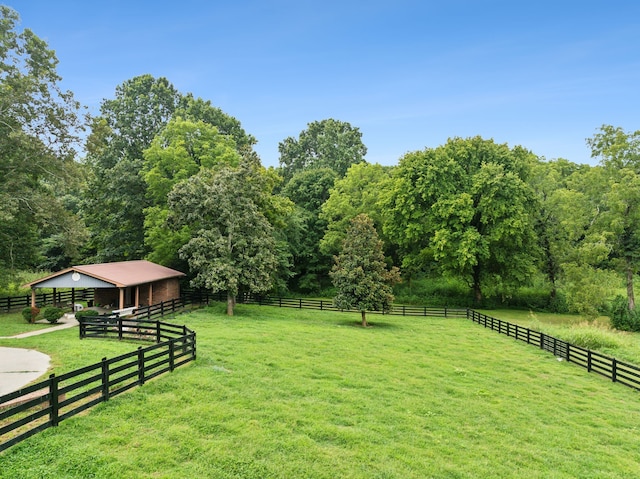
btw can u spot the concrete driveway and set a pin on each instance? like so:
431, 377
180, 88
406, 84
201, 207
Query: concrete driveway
18, 367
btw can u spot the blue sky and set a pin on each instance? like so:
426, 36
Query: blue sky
409, 74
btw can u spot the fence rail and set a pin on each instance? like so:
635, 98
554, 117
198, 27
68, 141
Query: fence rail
13, 303
324, 305
42, 405
609, 367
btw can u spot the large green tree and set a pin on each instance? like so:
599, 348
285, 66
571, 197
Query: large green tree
466, 206
178, 152
39, 124
358, 192
115, 198
233, 245
360, 273
619, 154
324, 144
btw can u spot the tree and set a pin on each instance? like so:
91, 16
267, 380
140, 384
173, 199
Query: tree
232, 246
324, 144
360, 273
560, 217
308, 190
358, 192
178, 152
619, 154
39, 126
467, 207
115, 198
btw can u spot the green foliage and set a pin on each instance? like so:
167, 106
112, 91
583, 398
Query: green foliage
324, 144
358, 192
623, 318
39, 124
360, 274
467, 207
116, 197
52, 314
308, 190
178, 152
30, 313
588, 289
86, 313
232, 247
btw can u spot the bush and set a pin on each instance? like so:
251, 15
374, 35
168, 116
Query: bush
86, 312
52, 314
622, 317
30, 313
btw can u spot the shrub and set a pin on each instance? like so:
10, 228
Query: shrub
622, 317
30, 313
86, 312
52, 314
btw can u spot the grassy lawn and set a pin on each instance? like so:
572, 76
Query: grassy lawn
596, 335
281, 393
13, 323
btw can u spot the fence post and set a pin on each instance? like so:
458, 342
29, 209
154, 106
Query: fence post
171, 355
542, 341
614, 369
162, 308
9, 303
140, 366
588, 360
119, 327
568, 358
157, 331
81, 327
53, 400
105, 379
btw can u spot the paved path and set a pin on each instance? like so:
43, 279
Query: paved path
19, 367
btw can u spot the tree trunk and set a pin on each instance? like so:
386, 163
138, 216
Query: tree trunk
477, 291
364, 319
630, 296
231, 301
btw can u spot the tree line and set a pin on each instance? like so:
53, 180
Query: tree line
163, 175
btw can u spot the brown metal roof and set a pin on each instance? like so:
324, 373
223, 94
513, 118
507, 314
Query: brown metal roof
121, 274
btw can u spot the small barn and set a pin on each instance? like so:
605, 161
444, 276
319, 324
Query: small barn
117, 285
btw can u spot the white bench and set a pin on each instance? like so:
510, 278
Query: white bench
124, 311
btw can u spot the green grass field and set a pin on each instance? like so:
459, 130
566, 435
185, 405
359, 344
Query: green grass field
280, 393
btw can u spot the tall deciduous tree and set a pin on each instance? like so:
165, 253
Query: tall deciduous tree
619, 154
360, 273
232, 246
358, 192
116, 195
466, 206
324, 144
178, 152
39, 123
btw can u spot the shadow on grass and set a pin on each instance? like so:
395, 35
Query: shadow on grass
372, 324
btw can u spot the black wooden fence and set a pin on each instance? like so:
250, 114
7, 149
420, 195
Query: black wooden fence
327, 305
59, 297
618, 371
34, 408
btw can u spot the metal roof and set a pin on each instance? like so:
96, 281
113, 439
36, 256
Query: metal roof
120, 275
